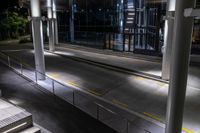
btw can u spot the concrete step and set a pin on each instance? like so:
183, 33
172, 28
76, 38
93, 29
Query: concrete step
32, 129
16, 123
13, 119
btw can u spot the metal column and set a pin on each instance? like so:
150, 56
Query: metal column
50, 26
168, 37
71, 3
140, 23
55, 23
179, 68
119, 38
121, 16
51, 35
37, 33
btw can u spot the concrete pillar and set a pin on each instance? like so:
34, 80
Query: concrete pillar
145, 23
179, 68
119, 37
55, 22
50, 26
139, 23
37, 34
168, 37
56, 31
71, 21
121, 16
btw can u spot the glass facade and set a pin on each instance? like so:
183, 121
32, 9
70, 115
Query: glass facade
122, 25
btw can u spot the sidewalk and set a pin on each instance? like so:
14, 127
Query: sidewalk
111, 52
138, 63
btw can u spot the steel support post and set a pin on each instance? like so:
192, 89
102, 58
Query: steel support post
37, 33
179, 68
51, 25
140, 23
51, 35
71, 3
55, 22
168, 37
56, 31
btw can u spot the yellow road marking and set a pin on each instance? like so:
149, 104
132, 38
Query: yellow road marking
72, 83
115, 101
139, 78
187, 130
152, 116
93, 91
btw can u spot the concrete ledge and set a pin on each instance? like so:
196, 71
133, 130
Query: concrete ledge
31, 130
12, 118
16, 123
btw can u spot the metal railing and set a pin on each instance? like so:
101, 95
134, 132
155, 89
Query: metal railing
81, 99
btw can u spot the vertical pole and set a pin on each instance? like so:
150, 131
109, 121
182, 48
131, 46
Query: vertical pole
97, 111
168, 37
9, 61
129, 42
109, 42
127, 126
56, 31
120, 10
144, 28
121, 16
179, 68
139, 23
55, 23
21, 67
50, 26
71, 3
53, 89
37, 33
73, 98
36, 77
124, 37
157, 38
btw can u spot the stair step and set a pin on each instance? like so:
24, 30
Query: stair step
12, 118
16, 123
32, 129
